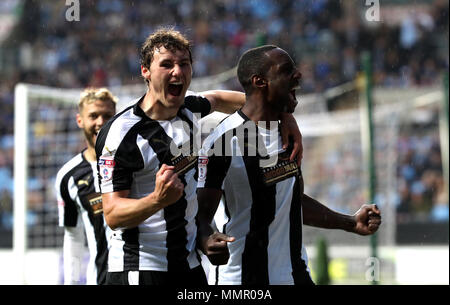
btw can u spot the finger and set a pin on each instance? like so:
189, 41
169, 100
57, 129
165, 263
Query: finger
285, 139
170, 175
373, 207
165, 168
373, 228
295, 153
374, 221
217, 248
372, 213
223, 237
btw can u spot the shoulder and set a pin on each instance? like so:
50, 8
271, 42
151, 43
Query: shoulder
227, 125
197, 103
70, 165
115, 130
71, 168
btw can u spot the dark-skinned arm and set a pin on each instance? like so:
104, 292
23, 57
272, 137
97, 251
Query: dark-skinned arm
213, 244
364, 222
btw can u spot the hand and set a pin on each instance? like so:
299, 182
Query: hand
289, 129
368, 219
168, 188
216, 249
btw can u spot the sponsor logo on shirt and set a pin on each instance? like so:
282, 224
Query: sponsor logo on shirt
183, 163
95, 200
282, 170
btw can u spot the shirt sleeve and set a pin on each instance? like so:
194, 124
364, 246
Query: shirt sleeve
67, 207
212, 170
197, 104
117, 163
73, 254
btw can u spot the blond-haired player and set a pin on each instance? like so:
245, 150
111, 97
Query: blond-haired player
78, 195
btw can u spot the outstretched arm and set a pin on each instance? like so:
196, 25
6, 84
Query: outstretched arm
364, 222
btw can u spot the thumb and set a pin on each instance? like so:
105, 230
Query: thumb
284, 139
224, 237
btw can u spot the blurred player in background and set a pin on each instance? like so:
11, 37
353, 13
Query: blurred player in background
148, 189
264, 204
78, 194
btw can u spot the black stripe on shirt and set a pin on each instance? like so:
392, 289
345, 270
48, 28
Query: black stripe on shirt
70, 206
174, 214
295, 233
255, 269
131, 249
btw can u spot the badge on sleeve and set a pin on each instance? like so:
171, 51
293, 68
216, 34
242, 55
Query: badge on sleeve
106, 166
202, 166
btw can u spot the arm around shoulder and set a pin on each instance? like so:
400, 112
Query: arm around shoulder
226, 101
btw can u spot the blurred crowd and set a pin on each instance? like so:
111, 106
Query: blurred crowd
325, 37
421, 185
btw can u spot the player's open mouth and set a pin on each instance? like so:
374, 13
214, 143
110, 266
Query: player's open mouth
293, 91
175, 89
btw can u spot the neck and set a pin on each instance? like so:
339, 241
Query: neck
155, 110
257, 110
90, 155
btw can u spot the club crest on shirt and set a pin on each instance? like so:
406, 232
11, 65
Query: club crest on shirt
282, 170
95, 200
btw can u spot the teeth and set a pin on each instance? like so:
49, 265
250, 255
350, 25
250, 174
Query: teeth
176, 83
296, 87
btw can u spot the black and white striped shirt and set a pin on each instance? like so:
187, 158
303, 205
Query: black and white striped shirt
130, 149
78, 195
262, 204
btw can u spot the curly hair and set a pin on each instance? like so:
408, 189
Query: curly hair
164, 37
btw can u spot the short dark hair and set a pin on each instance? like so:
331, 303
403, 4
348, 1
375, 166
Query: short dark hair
253, 62
165, 37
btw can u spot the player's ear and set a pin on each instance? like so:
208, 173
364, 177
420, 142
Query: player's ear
145, 72
79, 121
258, 81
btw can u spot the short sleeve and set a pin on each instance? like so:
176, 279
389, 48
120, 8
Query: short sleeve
212, 169
197, 104
117, 162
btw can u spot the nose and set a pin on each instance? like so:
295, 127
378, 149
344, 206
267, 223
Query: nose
176, 71
100, 121
297, 74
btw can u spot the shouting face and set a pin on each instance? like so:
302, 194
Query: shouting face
283, 79
169, 76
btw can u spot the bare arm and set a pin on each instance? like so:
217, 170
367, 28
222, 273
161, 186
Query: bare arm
228, 101
225, 101
123, 212
364, 222
213, 244
289, 129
